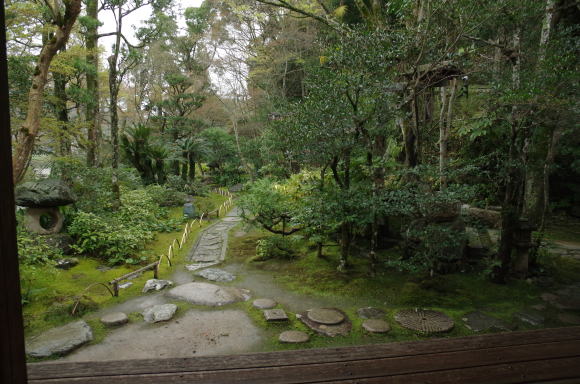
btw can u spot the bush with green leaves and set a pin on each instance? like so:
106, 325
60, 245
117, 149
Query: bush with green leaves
33, 250
165, 196
276, 247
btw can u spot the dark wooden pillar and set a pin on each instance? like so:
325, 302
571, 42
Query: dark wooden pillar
12, 358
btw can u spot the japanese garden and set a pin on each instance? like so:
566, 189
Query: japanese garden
197, 178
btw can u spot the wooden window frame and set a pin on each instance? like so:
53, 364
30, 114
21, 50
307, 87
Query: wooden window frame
551, 355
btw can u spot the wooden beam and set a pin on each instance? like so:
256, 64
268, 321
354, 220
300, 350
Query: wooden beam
12, 360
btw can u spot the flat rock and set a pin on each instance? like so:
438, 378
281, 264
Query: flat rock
370, 313
275, 315
156, 285
569, 318
158, 313
549, 297
376, 326
214, 274
533, 318
61, 340
208, 294
264, 303
341, 329
478, 322
569, 297
114, 319
325, 316
125, 285
293, 337
195, 267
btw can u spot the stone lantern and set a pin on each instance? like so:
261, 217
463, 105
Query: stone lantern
523, 243
42, 199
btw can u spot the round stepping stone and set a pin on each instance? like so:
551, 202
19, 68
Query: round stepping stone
426, 321
264, 303
293, 337
114, 319
325, 316
569, 318
158, 313
60, 341
370, 313
376, 326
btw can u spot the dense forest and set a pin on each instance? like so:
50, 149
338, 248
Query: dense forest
429, 138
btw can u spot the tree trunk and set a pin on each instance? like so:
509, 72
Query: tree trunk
61, 111
92, 108
114, 84
26, 136
191, 169
444, 128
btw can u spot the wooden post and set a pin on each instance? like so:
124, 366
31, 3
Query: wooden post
12, 357
156, 271
116, 289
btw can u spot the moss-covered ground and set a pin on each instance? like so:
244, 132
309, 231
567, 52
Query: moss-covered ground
53, 292
454, 294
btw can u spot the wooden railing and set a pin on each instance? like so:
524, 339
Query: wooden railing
177, 243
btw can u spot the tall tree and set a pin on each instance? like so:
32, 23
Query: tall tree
62, 16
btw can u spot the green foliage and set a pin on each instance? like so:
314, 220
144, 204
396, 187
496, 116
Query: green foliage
276, 247
33, 250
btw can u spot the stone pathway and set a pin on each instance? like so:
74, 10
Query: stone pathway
212, 244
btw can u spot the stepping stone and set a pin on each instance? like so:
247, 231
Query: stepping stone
549, 297
60, 341
533, 318
208, 294
125, 285
569, 318
325, 316
539, 307
370, 313
215, 274
155, 284
376, 326
293, 337
478, 322
114, 319
158, 313
264, 303
275, 315
424, 320
195, 267
341, 329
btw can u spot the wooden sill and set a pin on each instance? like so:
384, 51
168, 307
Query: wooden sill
547, 355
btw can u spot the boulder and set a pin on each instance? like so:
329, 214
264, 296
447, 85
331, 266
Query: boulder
43, 194
60, 341
158, 313
155, 284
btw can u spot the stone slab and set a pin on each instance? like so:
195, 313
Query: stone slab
215, 274
264, 303
275, 315
376, 326
530, 317
341, 329
61, 340
478, 322
159, 313
293, 337
325, 316
208, 294
114, 319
